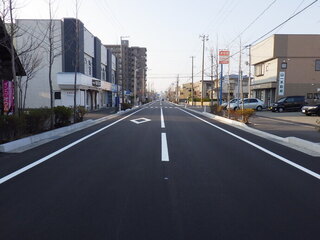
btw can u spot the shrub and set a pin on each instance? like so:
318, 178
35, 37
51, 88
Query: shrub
241, 115
12, 127
38, 120
216, 109
125, 106
62, 116
80, 112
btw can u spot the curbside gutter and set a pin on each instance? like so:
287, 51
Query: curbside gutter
295, 143
27, 143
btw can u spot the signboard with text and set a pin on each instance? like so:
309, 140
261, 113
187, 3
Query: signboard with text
224, 56
282, 78
8, 96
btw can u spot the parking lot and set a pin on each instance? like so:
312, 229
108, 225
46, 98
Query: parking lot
287, 124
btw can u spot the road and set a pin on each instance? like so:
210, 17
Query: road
160, 172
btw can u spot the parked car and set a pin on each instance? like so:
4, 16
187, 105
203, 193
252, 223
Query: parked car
290, 103
251, 103
225, 104
311, 109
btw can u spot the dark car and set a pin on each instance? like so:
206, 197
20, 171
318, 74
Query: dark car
311, 109
290, 103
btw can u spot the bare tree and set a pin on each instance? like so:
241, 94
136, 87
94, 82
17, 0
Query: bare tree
54, 50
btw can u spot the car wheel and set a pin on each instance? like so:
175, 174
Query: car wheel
280, 109
235, 108
259, 108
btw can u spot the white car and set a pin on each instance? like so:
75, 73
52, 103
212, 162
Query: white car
225, 104
248, 103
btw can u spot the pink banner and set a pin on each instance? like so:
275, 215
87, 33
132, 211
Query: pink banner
8, 96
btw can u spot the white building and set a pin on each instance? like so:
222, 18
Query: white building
96, 87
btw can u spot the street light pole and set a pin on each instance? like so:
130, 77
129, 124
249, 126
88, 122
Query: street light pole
192, 89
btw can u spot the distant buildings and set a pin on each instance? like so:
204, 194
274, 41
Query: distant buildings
132, 68
101, 72
286, 65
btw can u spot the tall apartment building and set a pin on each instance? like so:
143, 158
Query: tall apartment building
132, 68
287, 65
122, 54
96, 72
138, 72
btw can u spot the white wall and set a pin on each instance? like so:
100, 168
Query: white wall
35, 31
104, 55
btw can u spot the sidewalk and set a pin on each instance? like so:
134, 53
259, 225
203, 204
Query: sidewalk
99, 113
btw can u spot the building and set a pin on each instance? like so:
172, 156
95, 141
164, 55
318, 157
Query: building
286, 65
138, 73
7, 103
132, 70
96, 72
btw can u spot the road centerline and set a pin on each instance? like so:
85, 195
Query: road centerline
283, 159
164, 148
162, 119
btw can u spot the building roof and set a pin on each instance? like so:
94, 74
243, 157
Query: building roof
5, 56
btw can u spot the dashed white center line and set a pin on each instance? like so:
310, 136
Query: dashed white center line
162, 120
164, 148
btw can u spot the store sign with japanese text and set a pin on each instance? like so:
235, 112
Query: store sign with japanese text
224, 56
282, 79
8, 96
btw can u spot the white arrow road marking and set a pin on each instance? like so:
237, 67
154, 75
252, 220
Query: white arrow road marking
140, 120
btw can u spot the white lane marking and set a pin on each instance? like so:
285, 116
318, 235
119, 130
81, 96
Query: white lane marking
314, 174
164, 148
26, 168
162, 120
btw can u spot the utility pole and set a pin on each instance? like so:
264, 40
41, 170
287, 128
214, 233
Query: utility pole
135, 83
192, 89
204, 39
123, 70
249, 80
177, 90
240, 74
211, 55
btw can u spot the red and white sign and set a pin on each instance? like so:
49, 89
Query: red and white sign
8, 96
224, 56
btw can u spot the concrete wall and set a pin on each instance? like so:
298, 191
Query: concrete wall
38, 94
263, 51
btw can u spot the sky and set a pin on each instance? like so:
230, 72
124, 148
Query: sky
170, 29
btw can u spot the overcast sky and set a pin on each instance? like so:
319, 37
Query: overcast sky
170, 29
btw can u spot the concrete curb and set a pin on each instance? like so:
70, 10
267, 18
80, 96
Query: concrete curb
299, 144
26, 143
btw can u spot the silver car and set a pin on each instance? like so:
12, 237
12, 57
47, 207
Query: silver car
248, 103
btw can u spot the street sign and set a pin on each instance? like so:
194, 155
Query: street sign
224, 56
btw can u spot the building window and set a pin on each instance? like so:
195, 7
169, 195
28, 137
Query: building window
57, 95
259, 70
318, 65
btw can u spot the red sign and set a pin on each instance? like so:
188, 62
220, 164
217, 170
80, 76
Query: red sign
8, 96
224, 56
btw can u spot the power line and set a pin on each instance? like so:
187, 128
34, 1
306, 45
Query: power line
254, 21
285, 21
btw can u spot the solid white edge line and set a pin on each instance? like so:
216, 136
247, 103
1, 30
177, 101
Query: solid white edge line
26, 168
162, 120
164, 148
314, 174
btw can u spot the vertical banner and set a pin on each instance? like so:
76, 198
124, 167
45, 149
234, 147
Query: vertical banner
8, 96
224, 56
282, 79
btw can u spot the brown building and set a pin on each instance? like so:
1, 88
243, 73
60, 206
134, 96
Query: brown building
286, 65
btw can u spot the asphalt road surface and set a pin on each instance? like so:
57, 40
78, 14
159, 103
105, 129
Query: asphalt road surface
163, 173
